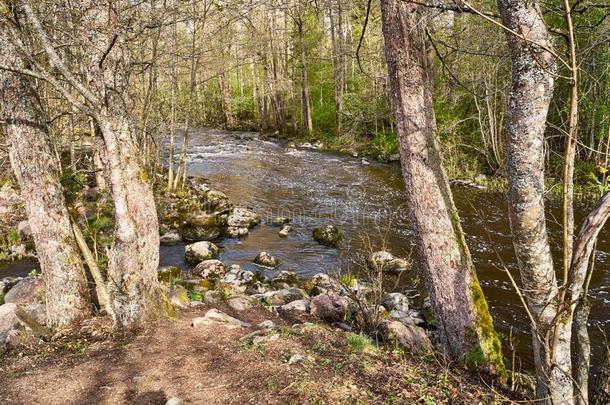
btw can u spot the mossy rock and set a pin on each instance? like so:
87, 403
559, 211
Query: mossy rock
201, 227
169, 274
328, 235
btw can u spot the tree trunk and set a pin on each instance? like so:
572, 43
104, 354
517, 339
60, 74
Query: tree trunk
533, 69
307, 119
66, 295
463, 319
133, 287
226, 100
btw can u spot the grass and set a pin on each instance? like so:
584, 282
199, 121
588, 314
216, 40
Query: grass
360, 343
194, 295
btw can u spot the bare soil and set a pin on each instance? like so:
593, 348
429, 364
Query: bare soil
210, 365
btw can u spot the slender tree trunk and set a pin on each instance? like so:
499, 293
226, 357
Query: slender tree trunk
307, 119
533, 72
337, 37
226, 100
66, 295
464, 322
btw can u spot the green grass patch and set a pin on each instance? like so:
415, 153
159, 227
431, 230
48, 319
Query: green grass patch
360, 343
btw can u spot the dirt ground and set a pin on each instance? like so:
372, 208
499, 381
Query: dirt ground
210, 365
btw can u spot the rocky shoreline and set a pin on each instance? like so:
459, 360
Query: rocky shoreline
199, 215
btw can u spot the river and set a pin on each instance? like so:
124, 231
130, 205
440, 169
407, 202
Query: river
367, 203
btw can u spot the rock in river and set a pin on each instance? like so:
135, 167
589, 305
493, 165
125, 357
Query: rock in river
265, 259
200, 227
242, 218
170, 238
385, 261
328, 235
200, 251
286, 229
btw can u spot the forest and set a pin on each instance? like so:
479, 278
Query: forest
312, 201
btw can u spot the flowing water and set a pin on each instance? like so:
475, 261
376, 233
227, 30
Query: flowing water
367, 203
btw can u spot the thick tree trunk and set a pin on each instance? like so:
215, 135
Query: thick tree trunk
66, 295
463, 319
134, 257
533, 66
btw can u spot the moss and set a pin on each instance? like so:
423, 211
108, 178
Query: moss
489, 348
167, 305
170, 274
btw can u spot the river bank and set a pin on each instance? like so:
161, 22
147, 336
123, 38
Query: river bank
171, 360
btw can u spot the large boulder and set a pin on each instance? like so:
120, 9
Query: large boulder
242, 218
265, 259
200, 251
411, 337
17, 324
200, 227
385, 261
210, 269
328, 235
329, 307
216, 317
26, 291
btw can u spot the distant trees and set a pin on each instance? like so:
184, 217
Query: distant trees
462, 315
